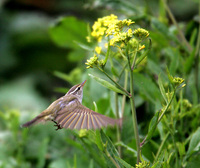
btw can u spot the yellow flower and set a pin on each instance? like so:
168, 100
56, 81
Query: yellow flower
101, 25
98, 50
133, 43
88, 38
106, 45
111, 26
187, 104
101, 63
143, 164
141, 33
83, 133
178, 81
141, 47
92, 61
127, 22
130, 33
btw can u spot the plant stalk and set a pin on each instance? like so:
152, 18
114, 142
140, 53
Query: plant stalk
120, 87
124, 97
133, 109
176, 24
118, 127
197, 55
160, 149
167, 106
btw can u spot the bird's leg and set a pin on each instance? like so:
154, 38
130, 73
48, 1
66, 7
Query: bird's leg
57, 125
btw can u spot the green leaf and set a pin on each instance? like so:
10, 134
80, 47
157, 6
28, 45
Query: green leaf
173, 54
75, 161
169, 76
59, 162
91, 165
147, 87
163, 29
84, 46
98, 140
144, 55
42, 153
162, 11
194, 162
193, 37
123, 162
110, 149
189, 62
159, 161
127, 148
95, 152
152, 126
73, 77
114, 71
107, 84
162, 90
154, 68
181, 148
68, 30
76, 55
194, 142
157, 165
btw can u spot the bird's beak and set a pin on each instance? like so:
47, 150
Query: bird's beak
82, 84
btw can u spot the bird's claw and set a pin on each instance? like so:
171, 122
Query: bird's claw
57, 125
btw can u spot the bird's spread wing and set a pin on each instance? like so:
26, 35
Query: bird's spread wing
78, 117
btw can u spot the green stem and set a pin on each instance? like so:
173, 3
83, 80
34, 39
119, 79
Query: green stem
120, 87
133, 109
143, 56
107, 53
167, 106
161, 116
161, 146
123, 69
134, 60
176, 150
197, 53
124, 97
176, 24
118, 127
111, 158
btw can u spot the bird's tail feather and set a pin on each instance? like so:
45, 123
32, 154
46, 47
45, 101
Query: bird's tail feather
33, 121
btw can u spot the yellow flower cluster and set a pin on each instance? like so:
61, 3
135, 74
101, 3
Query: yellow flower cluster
101, 25
94, 61
98, 50
143, 164
187, 104
118, 32
83, 133
178, 81
141, 33
111, 26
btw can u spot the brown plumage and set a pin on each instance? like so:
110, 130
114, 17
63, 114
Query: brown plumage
68, 112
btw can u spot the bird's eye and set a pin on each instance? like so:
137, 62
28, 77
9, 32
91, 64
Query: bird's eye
78, 88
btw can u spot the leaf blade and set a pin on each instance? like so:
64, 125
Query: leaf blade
107, 84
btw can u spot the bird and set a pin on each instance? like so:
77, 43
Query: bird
68, 112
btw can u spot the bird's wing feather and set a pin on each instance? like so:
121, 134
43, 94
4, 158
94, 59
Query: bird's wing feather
77, 116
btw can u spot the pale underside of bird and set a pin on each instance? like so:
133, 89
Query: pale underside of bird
68, 112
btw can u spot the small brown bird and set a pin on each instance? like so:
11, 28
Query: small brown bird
68, 112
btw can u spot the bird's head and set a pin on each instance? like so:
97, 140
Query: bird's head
77, 91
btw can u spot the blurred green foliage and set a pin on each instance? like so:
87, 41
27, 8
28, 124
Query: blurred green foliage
35, 49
